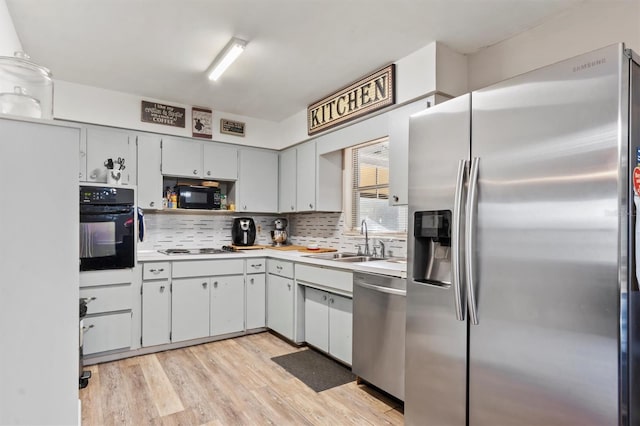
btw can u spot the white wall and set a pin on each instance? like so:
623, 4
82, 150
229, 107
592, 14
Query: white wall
90, 104
431, 68
587, 27
9, 41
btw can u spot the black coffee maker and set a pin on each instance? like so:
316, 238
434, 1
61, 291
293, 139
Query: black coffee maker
243, 232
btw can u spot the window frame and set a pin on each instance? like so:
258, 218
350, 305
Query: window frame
352, 229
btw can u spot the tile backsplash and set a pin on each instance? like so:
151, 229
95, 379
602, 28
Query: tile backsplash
173, 230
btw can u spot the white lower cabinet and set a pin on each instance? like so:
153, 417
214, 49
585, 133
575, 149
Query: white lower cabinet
328, 322
256, 301
108, 325
189, 308
280, 304
340, 327
227, 305
156, 312
316, 318
106, 333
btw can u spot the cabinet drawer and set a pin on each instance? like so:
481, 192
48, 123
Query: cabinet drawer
202, 268
107, 333
330, 279
280, 267
106, 277
107, 299
155, 270
256, 266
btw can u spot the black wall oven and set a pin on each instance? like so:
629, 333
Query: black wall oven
107, 228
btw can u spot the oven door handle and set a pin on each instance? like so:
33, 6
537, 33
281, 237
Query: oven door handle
103, 212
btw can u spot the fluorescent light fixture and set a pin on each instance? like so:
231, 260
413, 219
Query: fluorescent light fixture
230, 53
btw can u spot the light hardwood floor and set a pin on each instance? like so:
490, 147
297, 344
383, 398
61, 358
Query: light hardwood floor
229, 382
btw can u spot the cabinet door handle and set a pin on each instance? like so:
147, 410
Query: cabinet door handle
244, 207
256, 265
289, 286
324, 297
85, 329
208, 172
251, 280
93, 175
195, 172
204, 285
310, 205
156, 271
215, 284
83, 154
153, 203
161, 289
331, 300
395, 198
291, 207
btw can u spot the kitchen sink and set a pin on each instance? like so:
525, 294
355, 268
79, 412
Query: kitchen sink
331, 256
355, 258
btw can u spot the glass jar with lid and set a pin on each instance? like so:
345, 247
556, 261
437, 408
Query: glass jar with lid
26, 88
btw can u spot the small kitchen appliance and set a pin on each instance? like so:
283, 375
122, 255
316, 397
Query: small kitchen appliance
198, 197
279, 235
243, 232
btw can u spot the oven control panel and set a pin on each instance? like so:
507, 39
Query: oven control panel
105, 195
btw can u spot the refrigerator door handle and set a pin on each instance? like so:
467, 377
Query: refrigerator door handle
470, 228
456, 276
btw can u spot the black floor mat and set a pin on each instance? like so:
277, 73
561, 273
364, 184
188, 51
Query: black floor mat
315, 370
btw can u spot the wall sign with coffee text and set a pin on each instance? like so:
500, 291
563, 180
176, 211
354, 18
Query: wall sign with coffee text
167, 115
231, 127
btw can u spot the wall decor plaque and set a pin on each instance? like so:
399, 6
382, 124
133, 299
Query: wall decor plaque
201, 123
231, 127
167, 115
362, 97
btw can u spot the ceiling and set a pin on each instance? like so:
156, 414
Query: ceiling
298, 51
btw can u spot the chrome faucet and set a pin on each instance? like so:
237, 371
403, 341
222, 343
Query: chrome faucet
381, 249
363, 226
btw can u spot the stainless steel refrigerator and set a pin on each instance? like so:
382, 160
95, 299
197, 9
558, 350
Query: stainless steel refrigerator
521, 284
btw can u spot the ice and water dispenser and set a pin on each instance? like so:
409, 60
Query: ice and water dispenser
432, 250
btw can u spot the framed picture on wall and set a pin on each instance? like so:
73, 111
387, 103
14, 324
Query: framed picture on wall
201, 119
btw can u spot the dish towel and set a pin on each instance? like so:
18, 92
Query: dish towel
140, 224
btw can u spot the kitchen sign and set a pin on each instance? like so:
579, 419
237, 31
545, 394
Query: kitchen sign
162, 114
359, 98
231, 127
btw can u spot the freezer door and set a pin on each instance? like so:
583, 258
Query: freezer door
436, 340
551, 157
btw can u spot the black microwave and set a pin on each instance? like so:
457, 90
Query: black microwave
198, 197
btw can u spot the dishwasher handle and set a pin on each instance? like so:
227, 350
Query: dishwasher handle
388, 290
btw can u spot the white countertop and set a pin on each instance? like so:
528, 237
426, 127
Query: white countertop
383, 267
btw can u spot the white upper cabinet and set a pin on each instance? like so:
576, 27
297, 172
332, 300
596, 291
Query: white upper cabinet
181, 157
287, 181
199, 159
399, 148
220, 161
149, 174
105, 143
258, 181
306, 177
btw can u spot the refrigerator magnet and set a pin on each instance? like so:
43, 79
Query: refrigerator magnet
636, 180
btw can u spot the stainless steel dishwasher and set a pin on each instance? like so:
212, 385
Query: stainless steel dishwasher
379, 308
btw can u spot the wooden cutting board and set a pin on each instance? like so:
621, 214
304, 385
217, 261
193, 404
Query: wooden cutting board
248, 247
304, 249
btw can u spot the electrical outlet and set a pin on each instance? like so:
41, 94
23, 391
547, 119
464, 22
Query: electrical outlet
259, 228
